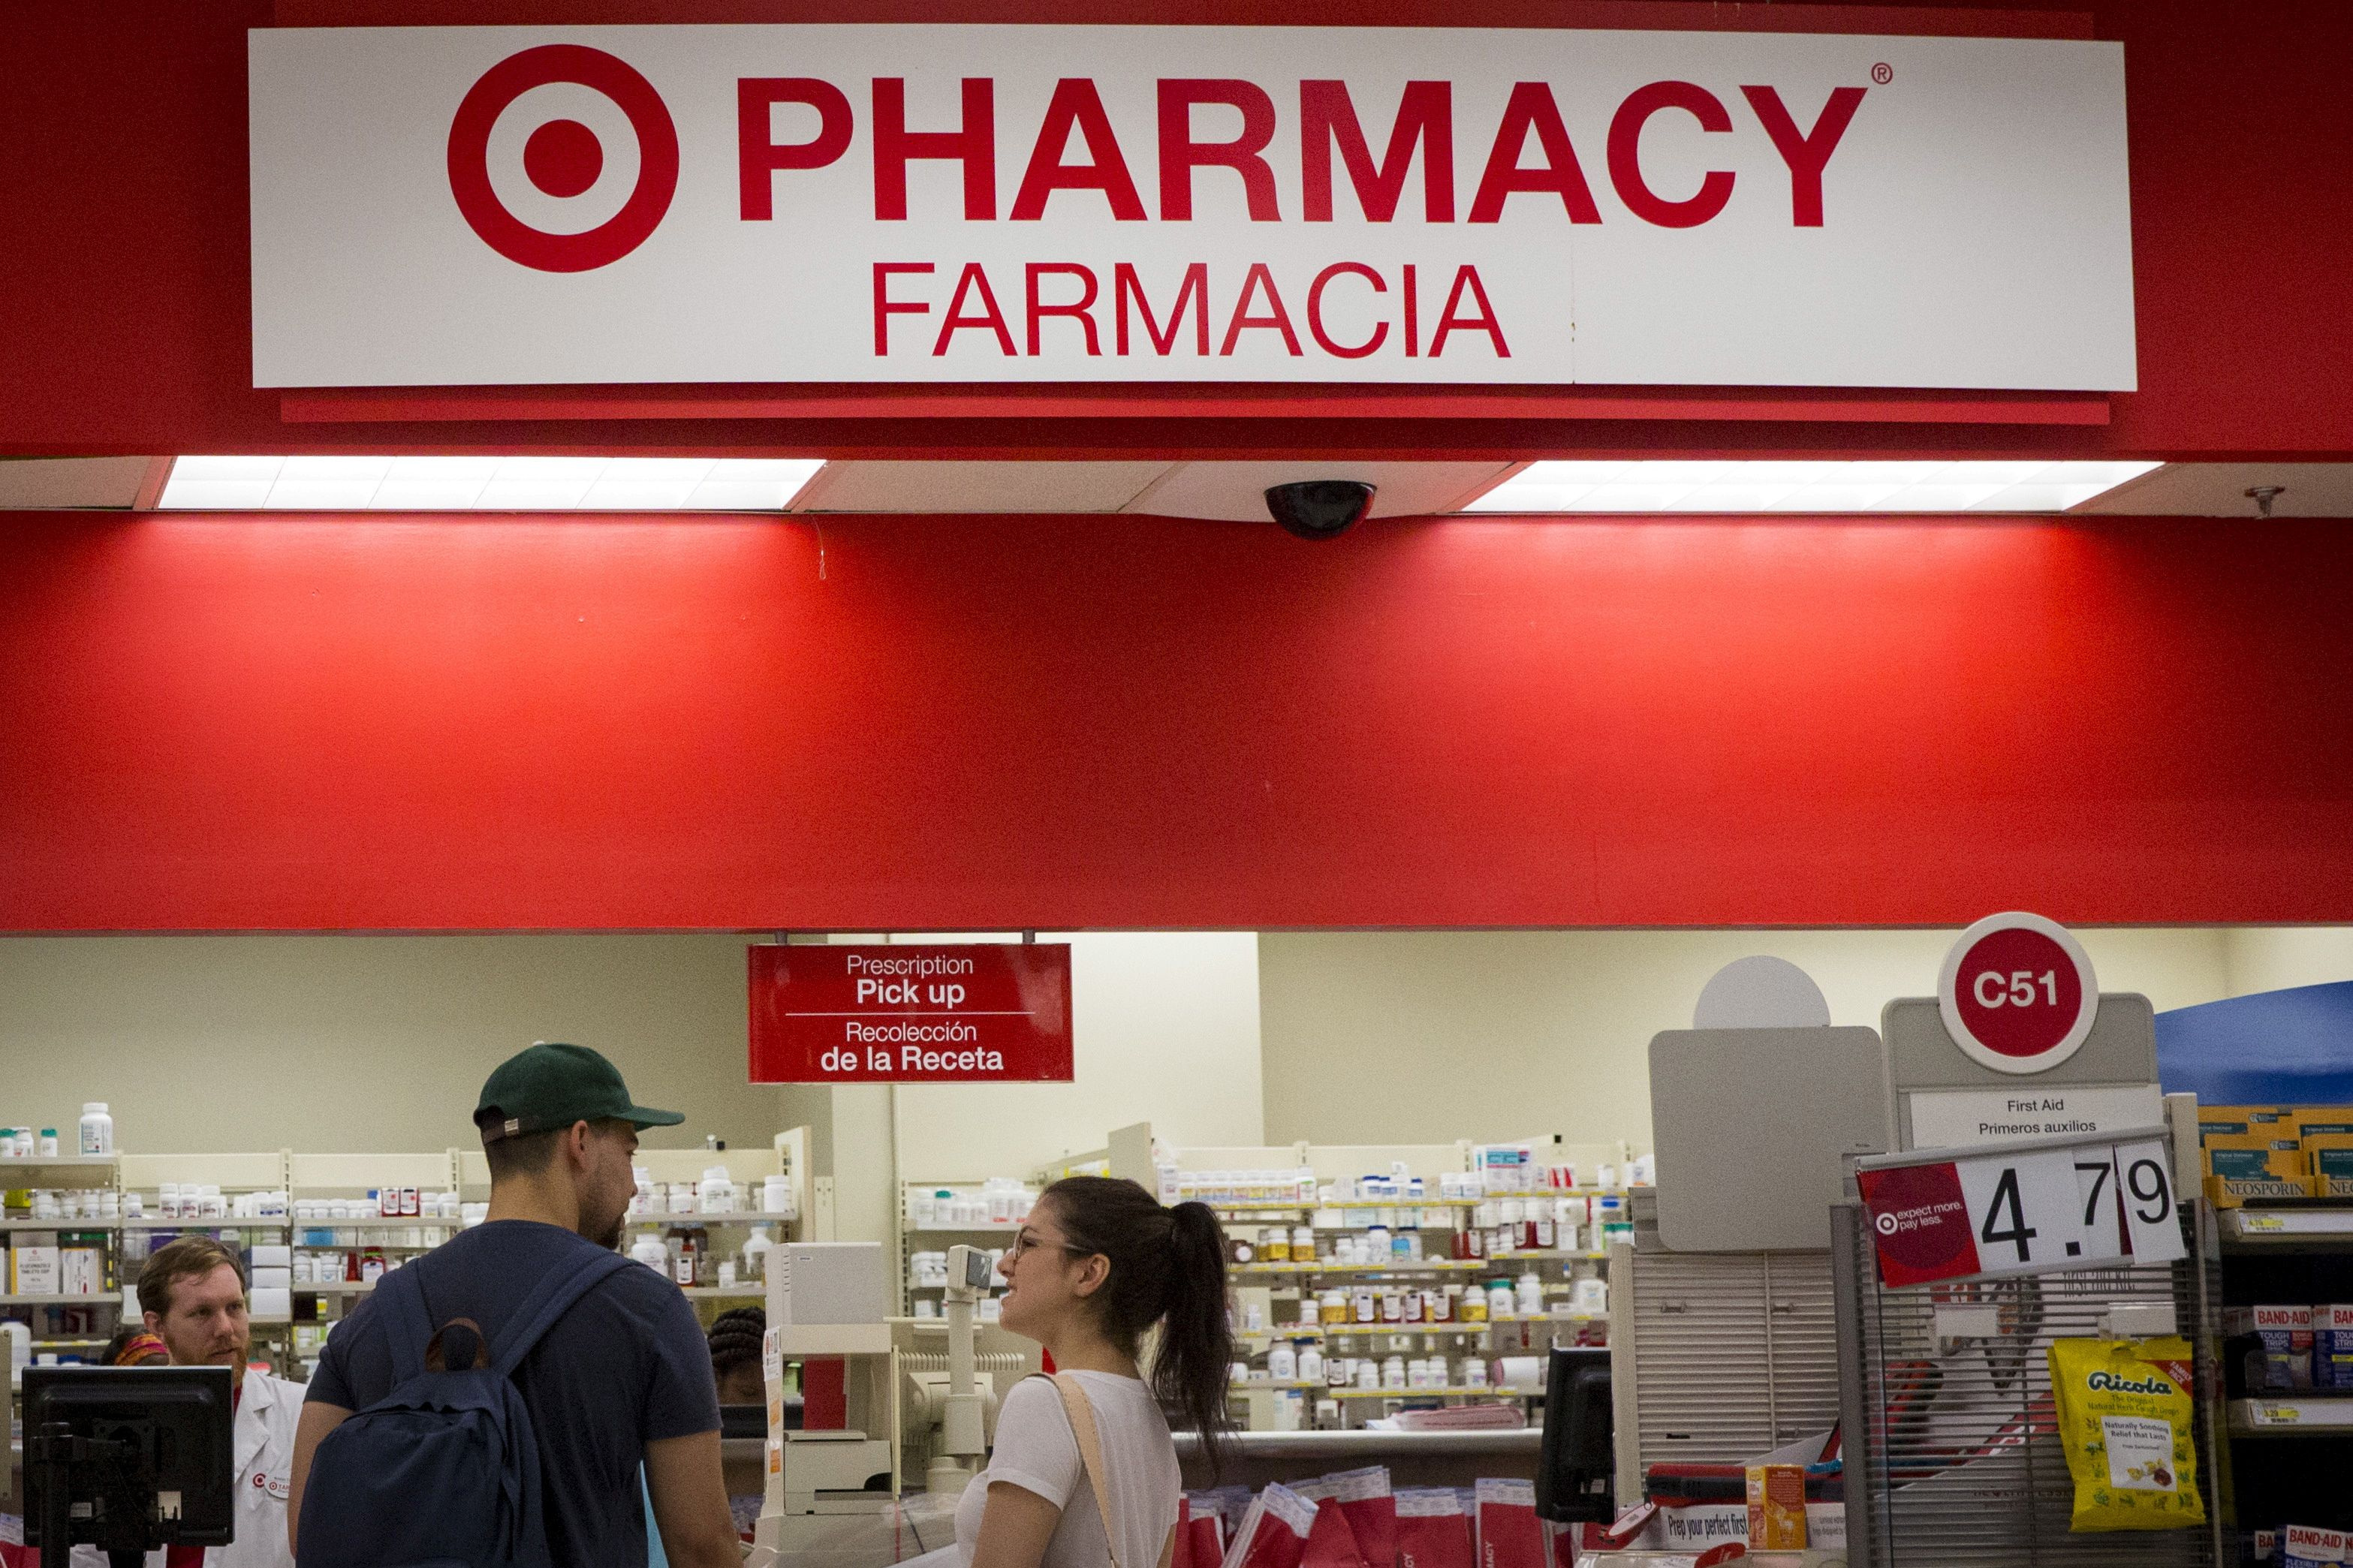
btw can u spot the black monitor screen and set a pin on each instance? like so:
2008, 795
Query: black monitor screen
164, 1472
1574, 1471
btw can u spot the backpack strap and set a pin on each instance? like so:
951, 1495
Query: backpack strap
1081, 1412
549, 1300
407, 1326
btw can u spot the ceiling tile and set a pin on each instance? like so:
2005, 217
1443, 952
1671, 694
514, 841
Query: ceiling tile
1237, 491
942, 486
2220, 489
27, 482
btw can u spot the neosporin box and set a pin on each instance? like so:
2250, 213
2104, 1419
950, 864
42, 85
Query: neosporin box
2251, 1153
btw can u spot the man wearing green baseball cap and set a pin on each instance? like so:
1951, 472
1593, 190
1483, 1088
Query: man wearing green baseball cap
621, 1378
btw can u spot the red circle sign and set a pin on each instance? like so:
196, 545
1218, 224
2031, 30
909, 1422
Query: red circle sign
2018, 993
561, 161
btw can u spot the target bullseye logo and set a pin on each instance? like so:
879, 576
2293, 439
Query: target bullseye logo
562, 158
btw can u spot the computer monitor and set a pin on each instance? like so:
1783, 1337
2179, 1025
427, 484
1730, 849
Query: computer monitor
128, 1458
1575, 1469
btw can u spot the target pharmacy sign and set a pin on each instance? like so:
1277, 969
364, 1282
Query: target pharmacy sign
989, 204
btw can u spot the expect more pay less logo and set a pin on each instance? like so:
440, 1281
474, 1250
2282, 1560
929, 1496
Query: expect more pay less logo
1216, 147
1921, 1221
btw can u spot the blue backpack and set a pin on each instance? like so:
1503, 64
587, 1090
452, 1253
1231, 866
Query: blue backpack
442, 1472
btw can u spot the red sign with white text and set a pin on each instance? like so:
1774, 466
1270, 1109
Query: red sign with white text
970, 1013
2018, 993
1919, 1224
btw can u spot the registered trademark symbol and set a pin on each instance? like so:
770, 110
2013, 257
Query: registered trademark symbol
1883, 73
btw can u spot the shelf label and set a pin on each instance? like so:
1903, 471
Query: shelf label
962, 1012
2029, 1212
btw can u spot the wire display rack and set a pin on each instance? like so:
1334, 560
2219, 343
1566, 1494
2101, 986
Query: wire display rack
1953, 1456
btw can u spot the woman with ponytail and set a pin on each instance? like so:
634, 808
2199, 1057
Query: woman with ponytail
1083, 1474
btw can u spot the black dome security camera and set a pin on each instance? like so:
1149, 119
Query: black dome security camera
1320, 509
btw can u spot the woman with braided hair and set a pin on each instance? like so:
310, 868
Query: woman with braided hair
736, 1341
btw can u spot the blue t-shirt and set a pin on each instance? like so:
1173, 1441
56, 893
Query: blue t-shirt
628, 1365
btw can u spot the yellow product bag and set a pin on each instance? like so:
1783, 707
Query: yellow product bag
2125, 1413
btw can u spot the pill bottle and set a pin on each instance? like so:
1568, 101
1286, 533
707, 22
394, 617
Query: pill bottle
1377, 1244
1530, 1292
1416, 1306
1311, 1364
1368, 1373
1473, 1309
1393, 1372
1274, 1246
1440, 1303
1332, 1306
1363, 1307
1337, 1371
97, 1129
1393, 1306
1501, 1301
48, 1144
1475, 1372
1303, 1244
1282, 1364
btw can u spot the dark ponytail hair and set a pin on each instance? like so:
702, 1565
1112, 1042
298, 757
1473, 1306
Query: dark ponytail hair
1167, 1268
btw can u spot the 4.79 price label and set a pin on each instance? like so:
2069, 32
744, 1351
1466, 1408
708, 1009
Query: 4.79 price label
2028, 1213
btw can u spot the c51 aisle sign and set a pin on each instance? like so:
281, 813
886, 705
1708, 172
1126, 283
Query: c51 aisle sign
2030, 1102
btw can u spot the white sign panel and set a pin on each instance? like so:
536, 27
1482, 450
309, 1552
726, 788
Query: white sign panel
1955, 1118
984, 203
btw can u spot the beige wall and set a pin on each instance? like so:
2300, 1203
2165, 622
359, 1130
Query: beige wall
361, 1043
1167, 1031
2272, 958
380, 1043
370, 1043
1386, 1036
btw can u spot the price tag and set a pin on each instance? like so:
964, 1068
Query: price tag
2266, 1223
2023, 1213
2026, 1213
2144, 1188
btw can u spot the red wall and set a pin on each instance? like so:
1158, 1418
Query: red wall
958, 723
123, 322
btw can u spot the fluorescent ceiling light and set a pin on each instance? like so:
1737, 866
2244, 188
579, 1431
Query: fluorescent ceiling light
1804, 486
485, 484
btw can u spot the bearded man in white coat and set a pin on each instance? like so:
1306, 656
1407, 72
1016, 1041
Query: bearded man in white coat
192, 1293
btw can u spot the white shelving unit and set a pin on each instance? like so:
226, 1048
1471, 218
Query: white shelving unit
308, 1176
1290, 1287
909, 1238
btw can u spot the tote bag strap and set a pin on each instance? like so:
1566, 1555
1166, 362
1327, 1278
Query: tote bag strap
1081, 1412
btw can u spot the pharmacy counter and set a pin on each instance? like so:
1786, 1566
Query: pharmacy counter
1414, 1459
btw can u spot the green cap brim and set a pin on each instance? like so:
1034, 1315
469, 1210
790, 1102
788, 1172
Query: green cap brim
638, 1116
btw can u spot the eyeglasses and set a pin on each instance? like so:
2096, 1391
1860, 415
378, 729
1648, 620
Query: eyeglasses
1028, 1240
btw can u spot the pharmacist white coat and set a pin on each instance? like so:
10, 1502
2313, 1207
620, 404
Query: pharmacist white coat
262, 1447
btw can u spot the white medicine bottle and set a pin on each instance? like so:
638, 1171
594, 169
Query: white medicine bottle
97, 1129
756, 1247
650, 1250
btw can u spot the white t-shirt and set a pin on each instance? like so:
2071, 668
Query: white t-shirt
1037, 1451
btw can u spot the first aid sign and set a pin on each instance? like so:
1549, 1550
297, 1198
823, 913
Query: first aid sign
965, 1013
